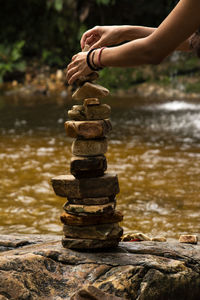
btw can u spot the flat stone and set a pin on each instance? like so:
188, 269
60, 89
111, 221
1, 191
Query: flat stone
69, 219
91, 101
81, 147
78, 107
97, 112
76, 116
84, 167
88, 129
77, 113
90, 90
85, 244
84, 210
188, 238
98, 232
90, 77
70, 187
93, 201
89, 111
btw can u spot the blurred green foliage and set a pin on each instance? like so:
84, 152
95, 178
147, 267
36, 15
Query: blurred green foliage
11, 58
192, 87
49, 31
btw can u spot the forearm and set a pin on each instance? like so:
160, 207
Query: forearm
129, 33
131, 54
137, 52
185, 46
172, 34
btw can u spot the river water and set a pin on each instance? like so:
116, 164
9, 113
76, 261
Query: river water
154, 148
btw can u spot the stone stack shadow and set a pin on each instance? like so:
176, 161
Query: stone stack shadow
90, 218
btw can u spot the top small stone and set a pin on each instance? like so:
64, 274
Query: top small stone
90, 77
90, 90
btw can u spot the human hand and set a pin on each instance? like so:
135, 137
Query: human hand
77, 68
101, 36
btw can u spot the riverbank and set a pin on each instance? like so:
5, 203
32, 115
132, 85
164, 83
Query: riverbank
175, 79
56, 86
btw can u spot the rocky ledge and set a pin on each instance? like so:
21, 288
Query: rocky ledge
38, 267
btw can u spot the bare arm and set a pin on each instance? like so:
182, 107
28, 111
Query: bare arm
137, 32
152, 48
174, 30
101, 36
112, 35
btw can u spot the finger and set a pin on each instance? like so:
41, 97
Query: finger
98, 44
71, 72
91, 40
71, 65
86, 35
74, 57
74, 77
84, 38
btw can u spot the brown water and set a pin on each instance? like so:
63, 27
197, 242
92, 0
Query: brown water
154, 149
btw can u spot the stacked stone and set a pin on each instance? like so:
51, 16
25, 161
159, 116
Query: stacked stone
90, 219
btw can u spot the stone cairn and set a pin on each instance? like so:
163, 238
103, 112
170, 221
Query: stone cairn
90, 219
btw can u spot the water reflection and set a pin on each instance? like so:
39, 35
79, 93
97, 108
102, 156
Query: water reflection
154, 148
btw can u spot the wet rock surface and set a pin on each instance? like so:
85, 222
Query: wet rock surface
88, 244
38, 267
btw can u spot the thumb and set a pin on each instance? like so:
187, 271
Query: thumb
98, 44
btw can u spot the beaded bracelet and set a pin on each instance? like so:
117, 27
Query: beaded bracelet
88, 61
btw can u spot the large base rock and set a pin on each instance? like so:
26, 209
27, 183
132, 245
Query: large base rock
90, 292
38, 268
88, 244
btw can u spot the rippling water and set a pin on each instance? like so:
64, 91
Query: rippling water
154, 149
